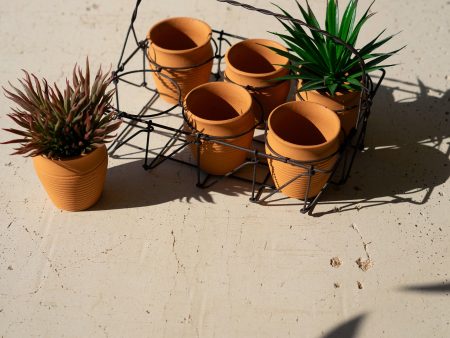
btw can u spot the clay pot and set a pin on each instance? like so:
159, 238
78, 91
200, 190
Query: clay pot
220, 109
345, 105
75, 183
307, 132
250, 63
180, 42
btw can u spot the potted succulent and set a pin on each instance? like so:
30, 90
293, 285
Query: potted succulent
65, 133
327, 72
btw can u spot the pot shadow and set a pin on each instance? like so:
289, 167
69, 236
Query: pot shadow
406, 157
406, 154
349, 329
128, 185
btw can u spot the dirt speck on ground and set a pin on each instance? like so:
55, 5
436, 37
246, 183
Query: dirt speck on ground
337, 285
360, 286
364, 265
335, 262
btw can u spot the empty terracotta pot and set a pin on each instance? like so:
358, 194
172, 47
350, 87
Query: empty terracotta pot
345, 105
76, 183
307, 132
220, 109
250, 63
180, 42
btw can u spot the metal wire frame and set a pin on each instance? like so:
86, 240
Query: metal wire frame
346, 154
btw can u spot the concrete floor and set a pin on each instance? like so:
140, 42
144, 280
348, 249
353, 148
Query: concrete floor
157, 257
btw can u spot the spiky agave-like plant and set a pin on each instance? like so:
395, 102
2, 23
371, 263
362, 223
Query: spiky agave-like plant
60, 125
320, 62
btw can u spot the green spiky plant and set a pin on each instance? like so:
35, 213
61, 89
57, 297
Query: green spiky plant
320, 62
59, 124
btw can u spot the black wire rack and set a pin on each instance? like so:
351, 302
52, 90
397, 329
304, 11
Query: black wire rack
178, 138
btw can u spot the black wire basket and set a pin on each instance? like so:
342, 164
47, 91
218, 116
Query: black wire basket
256, 167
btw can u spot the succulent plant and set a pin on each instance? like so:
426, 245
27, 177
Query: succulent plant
319, 61
59, 124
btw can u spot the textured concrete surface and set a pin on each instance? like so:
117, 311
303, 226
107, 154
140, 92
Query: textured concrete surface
157, 257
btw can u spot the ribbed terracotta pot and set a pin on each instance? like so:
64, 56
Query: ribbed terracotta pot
302, 131
180, 42
250, 63
76, 183
345, 105
220, 109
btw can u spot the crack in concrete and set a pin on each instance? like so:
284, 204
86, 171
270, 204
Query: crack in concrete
364, 265
180, 266
365, 244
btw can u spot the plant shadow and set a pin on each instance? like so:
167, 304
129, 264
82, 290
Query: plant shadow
349, 329
428, 288
406, 154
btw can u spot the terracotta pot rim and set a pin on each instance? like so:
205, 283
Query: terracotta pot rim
338, 94
178, 51
278, 69
332, 116
67, 162
72, 158
218, 122
84, 173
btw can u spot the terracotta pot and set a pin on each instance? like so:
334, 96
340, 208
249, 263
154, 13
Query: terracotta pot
345, 105
220, 109
75, 183
249, 63
302, 131
180, 42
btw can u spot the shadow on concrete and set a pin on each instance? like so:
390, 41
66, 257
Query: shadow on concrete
406, 155
428, 288
348, 329
128, 185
